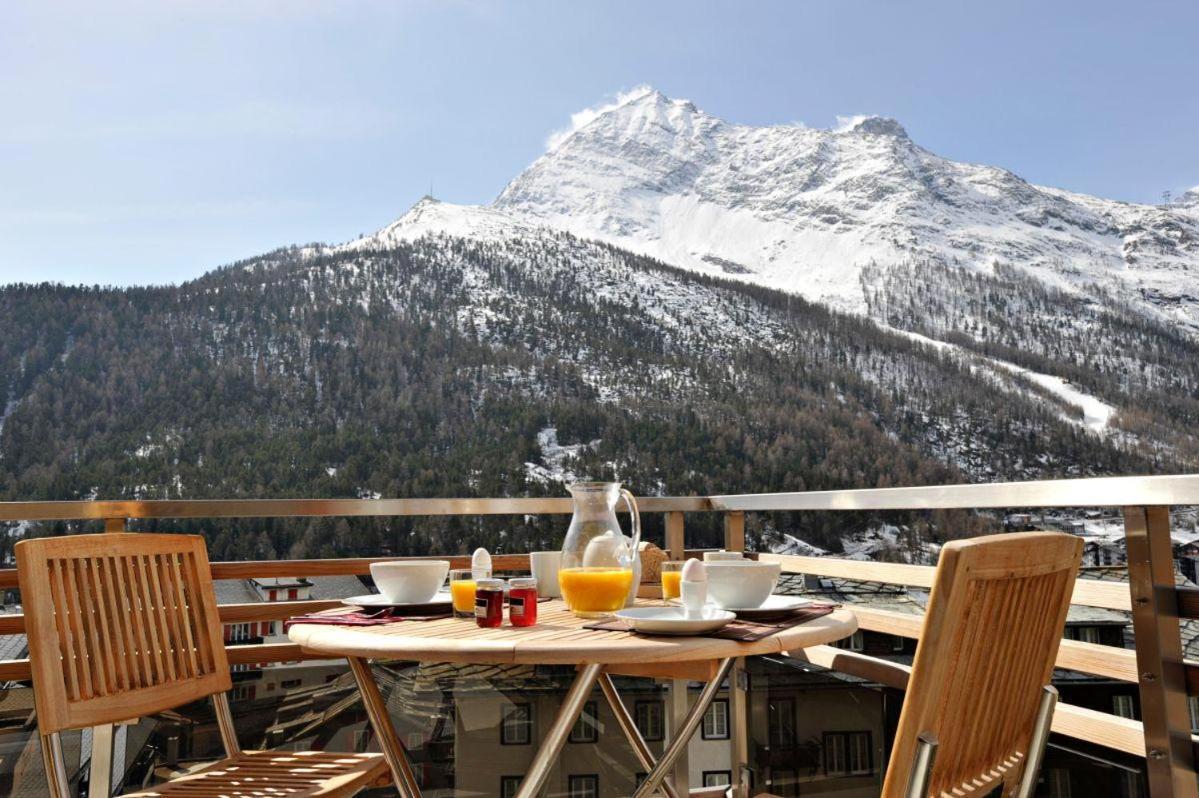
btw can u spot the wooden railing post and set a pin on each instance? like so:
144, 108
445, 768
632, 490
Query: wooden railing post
674, 535
734, 531
679, 705
100, 766
1169, 762
739, 728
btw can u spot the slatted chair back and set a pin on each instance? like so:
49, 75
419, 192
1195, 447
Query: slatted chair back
119, 626
991, 633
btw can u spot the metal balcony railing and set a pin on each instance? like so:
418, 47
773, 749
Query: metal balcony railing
1156, 604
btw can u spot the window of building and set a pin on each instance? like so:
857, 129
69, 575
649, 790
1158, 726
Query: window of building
897, 644
516, 725
289, 684
586, 728
1193, 705
1059, 783
293, 594
855, 642
1130, 784
1085, 634
239, 632
509, 785
1122, 707
650, 717
848, 753
243, 692
716, 721
784, 783
782, 722
362, 738
718, 778
583, 786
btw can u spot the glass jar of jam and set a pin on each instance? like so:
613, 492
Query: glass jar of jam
522, 601
489, 602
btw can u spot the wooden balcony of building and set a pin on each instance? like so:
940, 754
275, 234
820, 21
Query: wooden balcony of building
1160, 605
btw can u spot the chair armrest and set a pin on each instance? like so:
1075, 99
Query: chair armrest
888, 674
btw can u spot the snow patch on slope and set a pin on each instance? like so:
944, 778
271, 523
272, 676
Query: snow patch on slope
1096, 413
556, 458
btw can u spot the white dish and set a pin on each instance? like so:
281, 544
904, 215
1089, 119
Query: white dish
376, 601
741, 583
673, 620
772, 605
409, 581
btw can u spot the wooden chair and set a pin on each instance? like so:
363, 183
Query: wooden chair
979, 702
126, 625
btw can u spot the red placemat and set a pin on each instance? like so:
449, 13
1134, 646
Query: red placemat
736, 629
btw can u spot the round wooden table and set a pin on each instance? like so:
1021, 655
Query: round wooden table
558, 639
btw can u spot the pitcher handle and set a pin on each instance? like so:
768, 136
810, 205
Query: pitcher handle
635, 515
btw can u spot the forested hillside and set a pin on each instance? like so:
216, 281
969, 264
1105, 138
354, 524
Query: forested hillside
1148, 369
431, 368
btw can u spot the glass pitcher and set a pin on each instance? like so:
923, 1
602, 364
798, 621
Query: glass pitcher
601, 568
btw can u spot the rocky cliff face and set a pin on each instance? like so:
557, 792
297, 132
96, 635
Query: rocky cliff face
804, 210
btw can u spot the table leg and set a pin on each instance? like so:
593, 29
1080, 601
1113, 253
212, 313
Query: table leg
385, 732
568, 713
629, 727
682, 736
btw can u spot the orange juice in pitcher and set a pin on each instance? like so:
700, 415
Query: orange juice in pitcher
595, 591
600, 566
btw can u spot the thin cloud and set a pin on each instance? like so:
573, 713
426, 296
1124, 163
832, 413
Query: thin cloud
580, 119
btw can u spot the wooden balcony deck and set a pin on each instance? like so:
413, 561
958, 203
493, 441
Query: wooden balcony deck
1151, 597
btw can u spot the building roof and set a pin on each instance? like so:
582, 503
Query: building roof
336, 587
235, 591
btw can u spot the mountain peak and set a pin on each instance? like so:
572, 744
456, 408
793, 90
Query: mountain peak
876, 125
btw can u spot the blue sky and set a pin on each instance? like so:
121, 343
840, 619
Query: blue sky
147, 142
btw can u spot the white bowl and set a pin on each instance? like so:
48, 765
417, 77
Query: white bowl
741, 583
410, 581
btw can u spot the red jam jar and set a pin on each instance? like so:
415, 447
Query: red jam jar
522, 601
489, 602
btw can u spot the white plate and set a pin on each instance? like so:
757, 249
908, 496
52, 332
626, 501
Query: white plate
773, 604
673, 621
377, 601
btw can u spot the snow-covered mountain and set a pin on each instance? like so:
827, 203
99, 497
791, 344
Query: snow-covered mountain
1092, 302
803, 210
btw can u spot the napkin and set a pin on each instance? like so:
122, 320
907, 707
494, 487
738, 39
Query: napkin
737, 629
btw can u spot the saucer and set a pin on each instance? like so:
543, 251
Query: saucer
773, 605
673, 620
377, 601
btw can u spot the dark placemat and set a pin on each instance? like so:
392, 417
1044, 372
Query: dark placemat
736, 629
369, 618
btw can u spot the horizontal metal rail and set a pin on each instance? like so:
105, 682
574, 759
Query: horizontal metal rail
1093, 492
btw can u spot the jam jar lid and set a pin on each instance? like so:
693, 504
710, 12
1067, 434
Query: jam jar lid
522, 581
489, 584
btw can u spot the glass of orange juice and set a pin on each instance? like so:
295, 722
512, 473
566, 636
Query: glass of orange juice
672, 574
462, 589
595, 591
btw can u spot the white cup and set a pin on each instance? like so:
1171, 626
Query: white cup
694, 596
545, 566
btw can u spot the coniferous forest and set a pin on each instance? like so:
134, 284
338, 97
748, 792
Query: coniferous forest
433, 369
